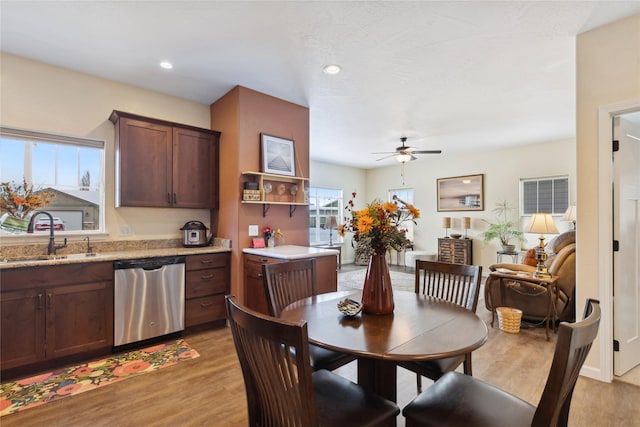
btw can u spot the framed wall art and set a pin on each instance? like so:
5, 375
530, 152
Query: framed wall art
461, 193
278, 155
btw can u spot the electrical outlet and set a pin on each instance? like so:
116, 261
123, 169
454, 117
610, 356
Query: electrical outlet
253, 230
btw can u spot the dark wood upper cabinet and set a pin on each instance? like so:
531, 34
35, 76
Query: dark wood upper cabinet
165, 164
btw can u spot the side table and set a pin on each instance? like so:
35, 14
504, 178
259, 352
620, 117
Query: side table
514, 256
552, 292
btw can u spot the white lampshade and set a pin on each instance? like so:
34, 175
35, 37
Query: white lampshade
541, 223
332, 222
570, 214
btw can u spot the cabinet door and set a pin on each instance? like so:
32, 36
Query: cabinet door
192, 169
143, 154
22, 328
254, 293
79, 318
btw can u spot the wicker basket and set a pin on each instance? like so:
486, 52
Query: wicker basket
509, 319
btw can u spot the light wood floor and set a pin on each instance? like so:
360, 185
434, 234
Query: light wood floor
209, 390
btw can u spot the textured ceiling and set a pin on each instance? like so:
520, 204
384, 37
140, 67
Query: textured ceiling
455, 76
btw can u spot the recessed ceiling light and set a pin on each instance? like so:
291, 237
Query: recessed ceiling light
332, 69
166, 65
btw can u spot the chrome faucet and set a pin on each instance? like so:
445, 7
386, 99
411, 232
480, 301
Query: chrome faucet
52, 247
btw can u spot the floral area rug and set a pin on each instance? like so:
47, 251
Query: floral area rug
53, 385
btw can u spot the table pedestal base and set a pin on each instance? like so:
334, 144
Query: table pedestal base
378, 376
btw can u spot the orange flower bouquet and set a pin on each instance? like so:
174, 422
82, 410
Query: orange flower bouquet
378, 227
18, 200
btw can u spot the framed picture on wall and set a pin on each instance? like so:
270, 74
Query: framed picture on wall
461, 193
277, 155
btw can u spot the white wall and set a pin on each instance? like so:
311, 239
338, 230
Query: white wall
36, 96
608, 73
502, 171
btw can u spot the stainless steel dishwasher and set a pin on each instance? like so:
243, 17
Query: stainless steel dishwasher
149, 298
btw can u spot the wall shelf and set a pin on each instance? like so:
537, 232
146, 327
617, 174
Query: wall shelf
279, 190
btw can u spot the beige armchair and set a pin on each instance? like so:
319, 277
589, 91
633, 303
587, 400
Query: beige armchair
532, 298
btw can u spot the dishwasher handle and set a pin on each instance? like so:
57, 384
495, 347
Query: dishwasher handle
149, 264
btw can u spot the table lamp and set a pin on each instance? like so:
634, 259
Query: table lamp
466, 224
331, 223
570, 215
541, 223
446, 224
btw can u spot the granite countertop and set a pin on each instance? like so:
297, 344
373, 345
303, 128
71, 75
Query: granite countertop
108, 256
290, 252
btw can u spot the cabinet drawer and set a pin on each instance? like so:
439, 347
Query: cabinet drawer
55, 275
199, 262
206, 282
254, 263
204, 310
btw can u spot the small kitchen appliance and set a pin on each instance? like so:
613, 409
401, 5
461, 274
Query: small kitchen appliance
195, 234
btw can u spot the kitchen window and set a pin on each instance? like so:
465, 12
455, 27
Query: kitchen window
324, 203
548, 195
70, 168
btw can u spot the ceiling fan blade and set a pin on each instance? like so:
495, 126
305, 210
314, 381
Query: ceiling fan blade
386, 157
426, 152
385, 152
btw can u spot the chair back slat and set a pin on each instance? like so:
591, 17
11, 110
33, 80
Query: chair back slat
274, 357
288, 282
572, 347
456, 283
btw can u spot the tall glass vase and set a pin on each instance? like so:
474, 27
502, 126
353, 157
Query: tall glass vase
377, 294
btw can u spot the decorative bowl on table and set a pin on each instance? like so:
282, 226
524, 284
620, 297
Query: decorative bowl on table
349, 307
456, 236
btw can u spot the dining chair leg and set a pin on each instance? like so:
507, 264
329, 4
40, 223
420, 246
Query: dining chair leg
419, 383
467, 364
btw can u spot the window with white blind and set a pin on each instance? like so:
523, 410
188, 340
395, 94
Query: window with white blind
548, 195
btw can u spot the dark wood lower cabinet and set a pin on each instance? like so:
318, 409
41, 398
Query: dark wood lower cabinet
254, 287
55, 313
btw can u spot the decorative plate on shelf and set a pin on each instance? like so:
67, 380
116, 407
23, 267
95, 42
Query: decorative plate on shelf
349, 307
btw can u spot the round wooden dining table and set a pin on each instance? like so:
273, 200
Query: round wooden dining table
420, 328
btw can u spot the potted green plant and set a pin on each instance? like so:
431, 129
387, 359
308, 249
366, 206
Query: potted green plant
503, 229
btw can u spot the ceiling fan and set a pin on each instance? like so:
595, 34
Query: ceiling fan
405, 153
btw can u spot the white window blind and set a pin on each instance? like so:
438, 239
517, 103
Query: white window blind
548, 195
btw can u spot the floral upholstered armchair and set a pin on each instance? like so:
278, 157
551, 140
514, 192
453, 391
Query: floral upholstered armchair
531, 298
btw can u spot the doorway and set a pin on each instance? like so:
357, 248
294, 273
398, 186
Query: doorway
626, 260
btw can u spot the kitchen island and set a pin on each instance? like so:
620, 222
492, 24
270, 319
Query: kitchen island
254, 258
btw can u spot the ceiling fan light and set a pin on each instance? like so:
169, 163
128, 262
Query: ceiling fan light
403, 158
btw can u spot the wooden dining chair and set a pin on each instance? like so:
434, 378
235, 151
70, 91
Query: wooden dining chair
456, 283
281, 388
288, 282
461, 400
